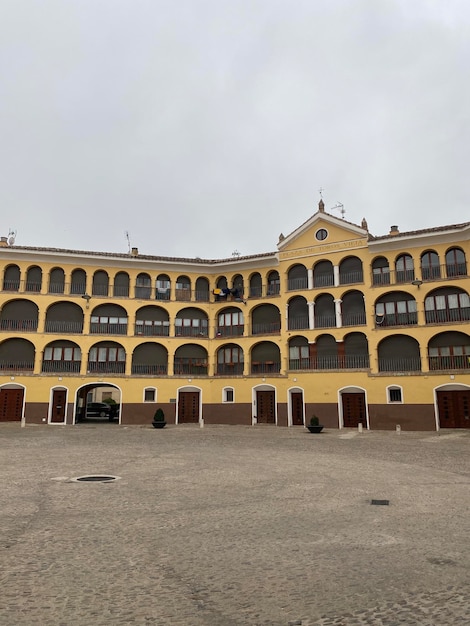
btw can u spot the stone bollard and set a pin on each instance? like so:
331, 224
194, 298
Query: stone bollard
201, 423
359, 427
398, 429
23, 421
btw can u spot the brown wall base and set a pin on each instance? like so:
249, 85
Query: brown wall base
409, 417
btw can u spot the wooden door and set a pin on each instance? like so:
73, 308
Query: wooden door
11, 405
354, 410
266, 409
58, 406
188, 407
297, 408
454, 409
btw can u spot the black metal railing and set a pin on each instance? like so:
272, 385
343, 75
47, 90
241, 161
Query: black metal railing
145, 369
269, 328
67, 367
400, 364
16, 366
19, 325
265, 367
52, 326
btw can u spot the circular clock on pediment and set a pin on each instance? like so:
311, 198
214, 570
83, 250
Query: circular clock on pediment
321, 234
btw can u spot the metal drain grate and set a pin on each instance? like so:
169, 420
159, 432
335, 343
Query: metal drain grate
380, 502
95, 479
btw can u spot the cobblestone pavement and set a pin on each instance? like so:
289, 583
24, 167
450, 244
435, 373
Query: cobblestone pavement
233, 526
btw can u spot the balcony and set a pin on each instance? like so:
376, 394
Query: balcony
270, 328
297, 284
65, 367
265, 367
188, 366
323, 280
354, 319
351, 278
400, 364
449, 362
16, 366
230, 369
447, 316
298, 323
229, 331
149, 328
144, 369
19, 325
98, 328
338, 362
396, 319
325, 321
63, 327
106, 367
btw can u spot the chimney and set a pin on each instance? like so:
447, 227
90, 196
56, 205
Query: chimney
135, 251
394, 230
3, 242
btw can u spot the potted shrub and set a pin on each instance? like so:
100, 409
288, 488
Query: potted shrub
159, 419
315, 426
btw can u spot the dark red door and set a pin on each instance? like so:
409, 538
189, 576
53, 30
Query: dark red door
265, 403
297, 408
58, 406
354, 410
454, 409
188, 407
11, 405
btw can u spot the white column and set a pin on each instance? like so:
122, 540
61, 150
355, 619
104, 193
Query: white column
336, 275
311, 315
310, 278
339, 317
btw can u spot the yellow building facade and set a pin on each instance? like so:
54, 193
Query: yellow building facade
337, 323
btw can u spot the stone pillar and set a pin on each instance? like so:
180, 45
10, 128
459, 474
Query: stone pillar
338, 313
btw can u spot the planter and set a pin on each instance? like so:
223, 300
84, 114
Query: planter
315, 429
159, 424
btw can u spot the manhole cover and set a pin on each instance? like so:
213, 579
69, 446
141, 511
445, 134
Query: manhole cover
380, 502
95, 479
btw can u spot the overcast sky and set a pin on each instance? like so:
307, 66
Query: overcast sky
202, 127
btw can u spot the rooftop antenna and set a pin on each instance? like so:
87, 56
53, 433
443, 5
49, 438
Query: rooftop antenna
235, 254
339, 207
320, 191
128, 241
11, 237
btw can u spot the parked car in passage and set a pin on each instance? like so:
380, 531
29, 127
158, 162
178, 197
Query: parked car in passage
98, 409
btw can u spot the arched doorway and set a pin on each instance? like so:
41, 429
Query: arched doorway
354, 407
189, 405
265, 404
11, 402
453, 406
98, 402
296, 407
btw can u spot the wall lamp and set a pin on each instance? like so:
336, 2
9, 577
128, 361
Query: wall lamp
417, 282
87, 298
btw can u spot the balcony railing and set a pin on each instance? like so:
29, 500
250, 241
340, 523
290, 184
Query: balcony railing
350, 278
400, 364
354, 319
69, 367
396, 319
325, 321
298, 323
270, 328
230, 369
359, 361
265, 367
106, 367
446, 316
56, 288
183, 295
16, 366
229, 331
436, 272
107, 329
202, 296
151, 330
100, 290
323, 280
144, 369
297, 284
78, 288
52, 326
186, 366
191, 331
450, 362
19, 325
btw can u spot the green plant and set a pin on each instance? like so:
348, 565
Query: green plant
159, 416
109, 401
314, 421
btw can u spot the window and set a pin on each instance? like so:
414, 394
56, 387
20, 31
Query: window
150, 394
395, 395
228, 394
62, 354
321, 234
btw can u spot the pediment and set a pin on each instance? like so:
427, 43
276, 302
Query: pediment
320, 233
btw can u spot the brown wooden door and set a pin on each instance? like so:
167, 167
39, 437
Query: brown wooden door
188, 407
265, 403
58, 406
11, 405
354, 410
297, 408
454, 409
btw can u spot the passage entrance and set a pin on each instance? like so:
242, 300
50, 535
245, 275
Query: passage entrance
297, 408
454, 408
58, 406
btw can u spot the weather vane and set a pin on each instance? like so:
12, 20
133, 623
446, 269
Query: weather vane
320, 191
